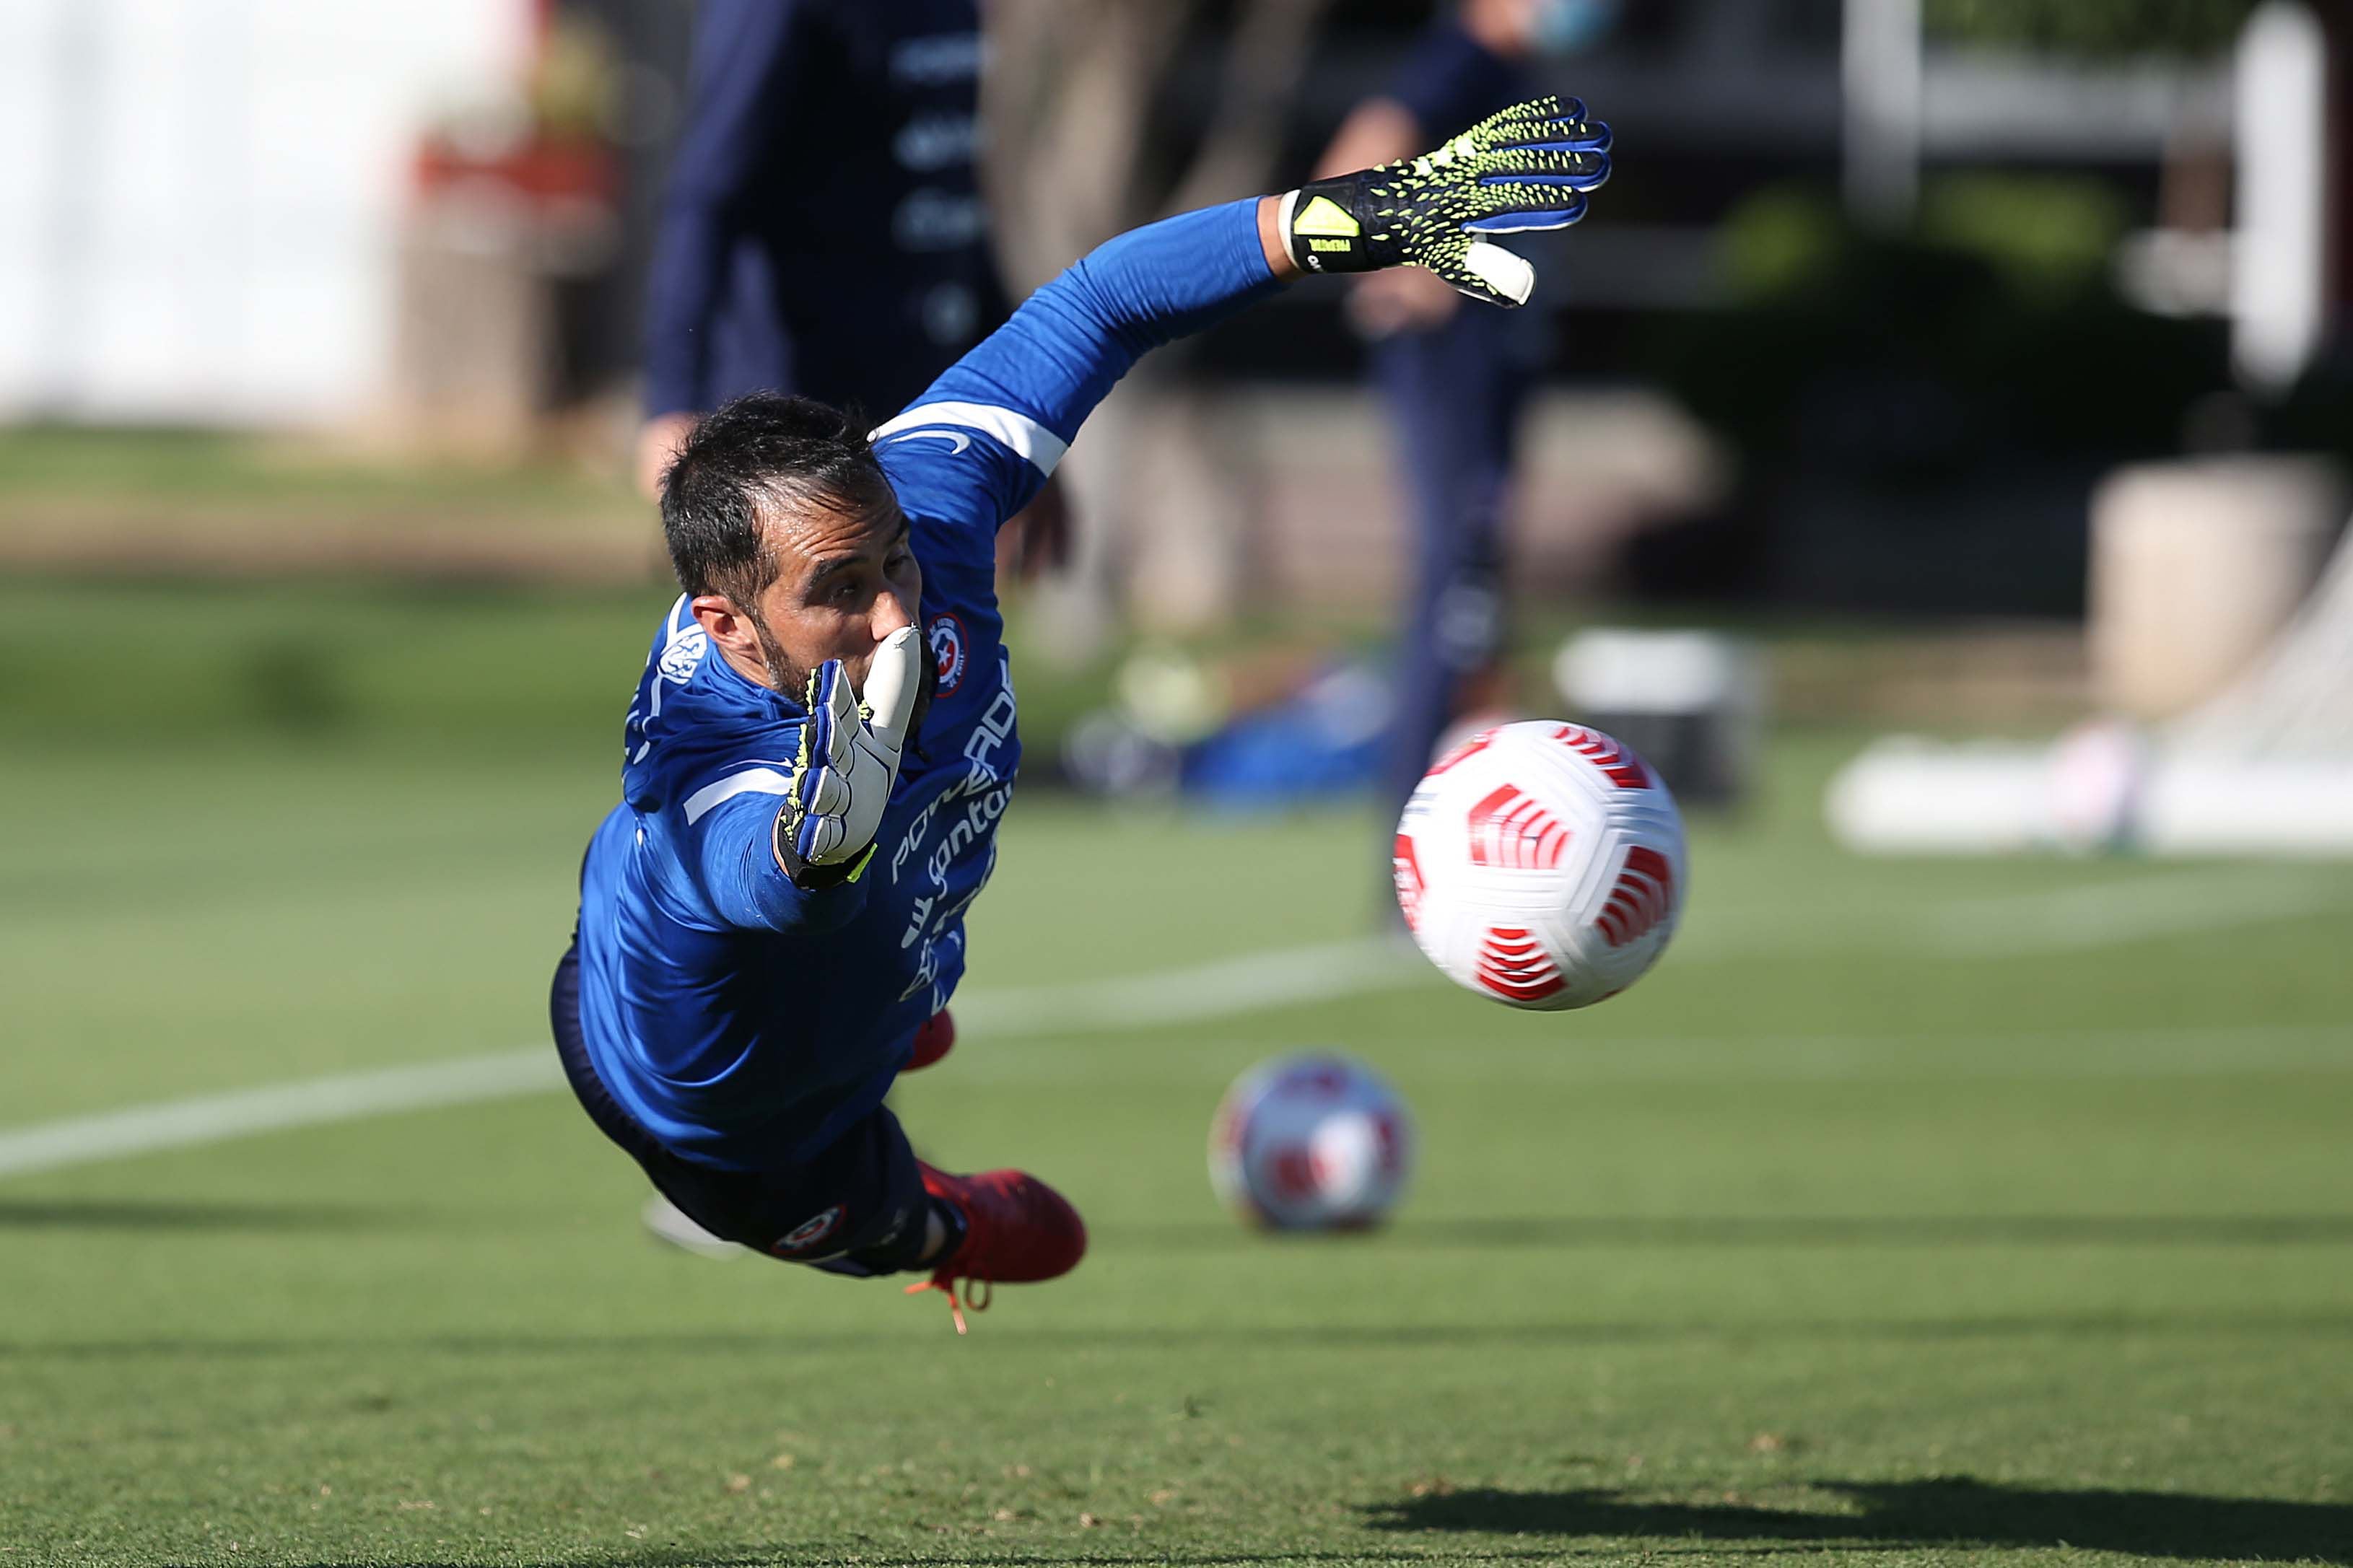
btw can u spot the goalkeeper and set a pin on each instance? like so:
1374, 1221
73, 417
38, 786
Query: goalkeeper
823, 743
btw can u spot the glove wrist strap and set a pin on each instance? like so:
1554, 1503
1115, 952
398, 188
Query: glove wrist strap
1329, 226
806, 875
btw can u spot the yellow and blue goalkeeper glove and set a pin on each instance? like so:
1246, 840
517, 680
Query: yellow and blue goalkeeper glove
1528, 167
849, 763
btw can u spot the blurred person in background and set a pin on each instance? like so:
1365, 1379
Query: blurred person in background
823, 230
1455, 380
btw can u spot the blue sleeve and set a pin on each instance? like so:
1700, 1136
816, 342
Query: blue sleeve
981, 441
742, 58
729, 850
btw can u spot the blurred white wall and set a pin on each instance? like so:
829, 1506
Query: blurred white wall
2279, 297
198, 198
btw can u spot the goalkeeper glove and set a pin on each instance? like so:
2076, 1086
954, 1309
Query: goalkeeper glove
1525, 168
849, 761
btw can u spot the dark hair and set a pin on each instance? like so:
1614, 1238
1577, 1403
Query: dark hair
764, 448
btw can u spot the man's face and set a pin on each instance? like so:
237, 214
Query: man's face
1543, 26
845, 581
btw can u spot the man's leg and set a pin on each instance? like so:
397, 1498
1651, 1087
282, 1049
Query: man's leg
864, 1206
859, 1209
934, 1039
864, 1193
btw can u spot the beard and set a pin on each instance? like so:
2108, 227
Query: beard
792, 681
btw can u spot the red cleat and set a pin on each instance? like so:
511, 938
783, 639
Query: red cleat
1017, 1231
933, 1040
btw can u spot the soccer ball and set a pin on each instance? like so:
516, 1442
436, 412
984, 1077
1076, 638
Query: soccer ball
1541, 863
1311, 1143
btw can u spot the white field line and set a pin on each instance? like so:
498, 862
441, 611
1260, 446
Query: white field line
2073, 918
2116, 913
1225, 989
241, 1113
1589, 1058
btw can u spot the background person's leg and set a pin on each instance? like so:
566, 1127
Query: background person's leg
1454, 395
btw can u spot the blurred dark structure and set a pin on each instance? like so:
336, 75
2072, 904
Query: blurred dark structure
1920, 409
1920, 427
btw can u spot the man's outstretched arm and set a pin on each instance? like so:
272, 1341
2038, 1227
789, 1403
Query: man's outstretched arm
1021, 396
1271, 242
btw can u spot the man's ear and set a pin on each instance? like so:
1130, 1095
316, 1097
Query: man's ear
727, 626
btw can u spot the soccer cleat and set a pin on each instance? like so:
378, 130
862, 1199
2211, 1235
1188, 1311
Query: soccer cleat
1017, 1231
933, 1040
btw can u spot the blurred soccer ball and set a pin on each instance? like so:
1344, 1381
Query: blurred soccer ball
1541, 863
1311, 1143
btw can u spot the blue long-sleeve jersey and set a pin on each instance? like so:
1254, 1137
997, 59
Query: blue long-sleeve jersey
822, 229
743, 1021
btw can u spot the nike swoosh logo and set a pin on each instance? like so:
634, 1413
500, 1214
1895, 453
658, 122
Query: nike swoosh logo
962, 442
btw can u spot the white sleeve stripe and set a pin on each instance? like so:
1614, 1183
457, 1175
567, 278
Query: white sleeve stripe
1024, 435
754, 781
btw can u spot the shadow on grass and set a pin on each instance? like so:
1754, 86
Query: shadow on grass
2219, 1230
1057, 1342
1335, 1339
107, 1215
1938, 1512
800, 1556
1771, 1230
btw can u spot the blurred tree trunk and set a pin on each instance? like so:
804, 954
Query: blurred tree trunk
1068, 104
1070, 86
1258, 81
2336, 27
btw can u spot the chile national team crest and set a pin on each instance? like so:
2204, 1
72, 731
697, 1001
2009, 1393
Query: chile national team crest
683, 653
948, 651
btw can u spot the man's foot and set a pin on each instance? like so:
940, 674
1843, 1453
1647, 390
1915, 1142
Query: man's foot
933, 1040
1017, 1231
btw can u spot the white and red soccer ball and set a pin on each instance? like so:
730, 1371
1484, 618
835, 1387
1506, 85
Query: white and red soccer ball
1311, 1143
1541, 863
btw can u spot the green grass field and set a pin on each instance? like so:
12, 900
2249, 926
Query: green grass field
1908, 1213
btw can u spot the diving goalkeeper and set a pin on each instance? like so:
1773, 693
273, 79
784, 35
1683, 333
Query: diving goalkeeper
824, 741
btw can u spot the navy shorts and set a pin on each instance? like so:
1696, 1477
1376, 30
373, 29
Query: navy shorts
859, 1208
